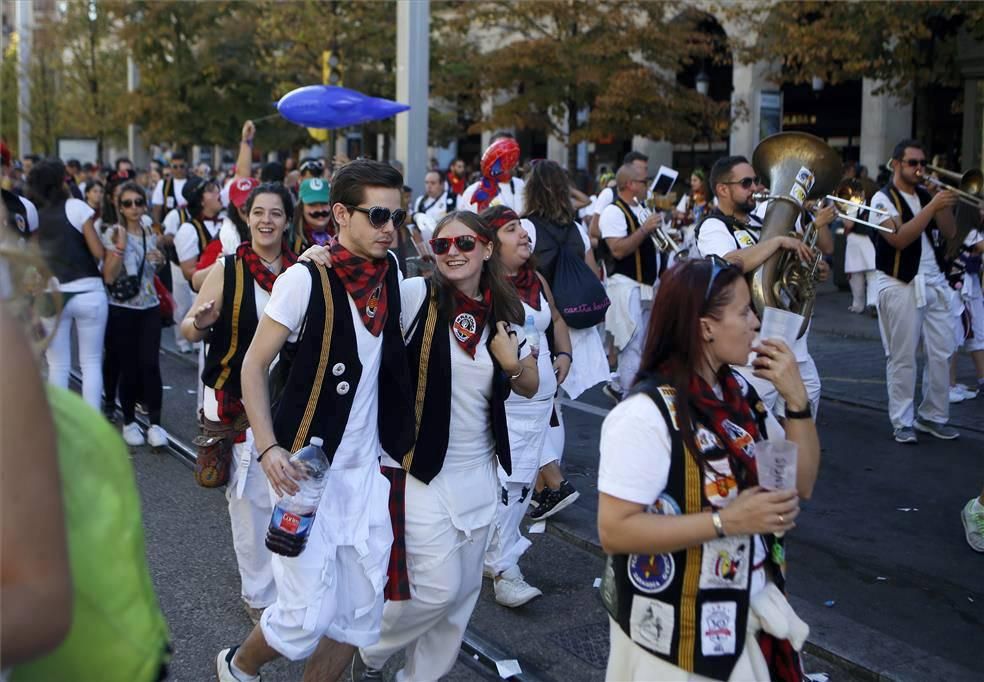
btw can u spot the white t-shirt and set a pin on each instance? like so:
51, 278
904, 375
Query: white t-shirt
32, 213
612, 222
605, 198
288, 306
511, 196
157, 199
715, 238
78, 213
171, 222
636, 454
435, 208
544, 364
928, 267
186, 239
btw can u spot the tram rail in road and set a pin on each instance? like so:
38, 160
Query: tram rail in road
483, 651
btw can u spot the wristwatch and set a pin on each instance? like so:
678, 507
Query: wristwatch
805, 413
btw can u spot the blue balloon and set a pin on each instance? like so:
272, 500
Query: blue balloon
331, 106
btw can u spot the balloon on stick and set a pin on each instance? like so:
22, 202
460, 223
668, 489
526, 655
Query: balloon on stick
331, 106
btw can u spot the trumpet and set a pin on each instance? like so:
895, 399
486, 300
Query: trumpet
967, 186
662, 204
852, 201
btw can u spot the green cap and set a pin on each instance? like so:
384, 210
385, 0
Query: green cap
314, 191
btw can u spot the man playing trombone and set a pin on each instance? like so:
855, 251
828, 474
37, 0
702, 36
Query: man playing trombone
913, 295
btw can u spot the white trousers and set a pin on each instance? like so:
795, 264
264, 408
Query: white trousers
902, 324
445, 567
553, 446
249, 515
630, 357
863, 289
974, 302
183, 298
770, 396
88, 313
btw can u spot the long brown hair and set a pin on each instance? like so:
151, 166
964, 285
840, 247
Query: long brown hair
506, 305
674, 345
548, 193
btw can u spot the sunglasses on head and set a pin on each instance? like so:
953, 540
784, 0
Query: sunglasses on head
746, 183
315, 166
320, 214
465, 243
718, 265
912, 163
379, 216
129, 203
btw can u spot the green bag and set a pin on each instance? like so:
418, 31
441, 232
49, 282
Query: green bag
118, 633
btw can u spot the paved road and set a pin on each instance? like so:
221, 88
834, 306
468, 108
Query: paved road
906, 590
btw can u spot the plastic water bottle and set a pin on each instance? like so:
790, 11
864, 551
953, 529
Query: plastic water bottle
532, 336
293, 515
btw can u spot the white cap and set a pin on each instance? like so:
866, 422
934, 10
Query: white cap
316, 442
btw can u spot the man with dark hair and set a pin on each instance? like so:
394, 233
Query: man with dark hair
74, 171
732, 231
273, 171
913, 295
456, 176
169, 192
606, 196
22, 214
124, 165
627, 227
339, 328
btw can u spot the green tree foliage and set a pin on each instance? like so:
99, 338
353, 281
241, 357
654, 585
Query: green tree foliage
901, 44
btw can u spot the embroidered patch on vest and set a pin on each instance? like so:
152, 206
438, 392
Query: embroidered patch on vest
464, 327
725, 564
669, 397
744, 239
720, 484
651, 624
707, 440
665, 505
651, 573
740, 437
718, 622
373, 301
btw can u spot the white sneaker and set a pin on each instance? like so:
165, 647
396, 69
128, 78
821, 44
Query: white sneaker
973, 523
512, 591
223, 667
132, 435
156, 436
956, 395
968, 392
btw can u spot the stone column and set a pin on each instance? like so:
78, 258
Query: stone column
885, 120
412, 87
747, 82
24, 18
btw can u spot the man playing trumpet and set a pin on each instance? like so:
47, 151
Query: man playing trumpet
913, 296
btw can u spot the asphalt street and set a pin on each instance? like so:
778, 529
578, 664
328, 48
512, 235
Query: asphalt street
886, 591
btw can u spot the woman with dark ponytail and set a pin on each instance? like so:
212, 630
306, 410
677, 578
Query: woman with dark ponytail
467, 350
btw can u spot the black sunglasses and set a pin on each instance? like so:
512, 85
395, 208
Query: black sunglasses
129, 203
178, 166
379, 216
718, 265
746, 183
465, 243
912, 163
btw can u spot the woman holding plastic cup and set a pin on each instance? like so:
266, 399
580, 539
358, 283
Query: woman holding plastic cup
696, 571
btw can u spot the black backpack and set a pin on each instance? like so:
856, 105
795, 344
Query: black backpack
578, 293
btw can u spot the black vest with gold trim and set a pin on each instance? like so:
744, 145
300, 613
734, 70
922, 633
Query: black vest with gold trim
429, 349
234, 330
903, 264
691, 607
646, 264
314, 383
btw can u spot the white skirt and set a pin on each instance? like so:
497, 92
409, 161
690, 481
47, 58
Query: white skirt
860, 254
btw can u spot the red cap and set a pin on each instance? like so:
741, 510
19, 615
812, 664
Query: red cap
240, 189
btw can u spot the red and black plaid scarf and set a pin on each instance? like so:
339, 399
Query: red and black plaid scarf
398, 584
528, 286
258, 269
365, 281
230, 408
723, 415
470, 317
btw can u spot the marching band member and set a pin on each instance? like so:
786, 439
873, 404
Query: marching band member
466, 350
337, 332
913, 296
437, 200
695, 575
859, 255
225, 315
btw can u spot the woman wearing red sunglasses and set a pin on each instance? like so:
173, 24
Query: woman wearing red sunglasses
466, 350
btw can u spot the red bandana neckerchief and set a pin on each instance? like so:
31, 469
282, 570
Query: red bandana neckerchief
714, 412
528, 286
364, 281
470, 317
258, 269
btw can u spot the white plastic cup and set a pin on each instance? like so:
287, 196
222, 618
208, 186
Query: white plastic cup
776, 461
780, 324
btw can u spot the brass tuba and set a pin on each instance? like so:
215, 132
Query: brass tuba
796, 167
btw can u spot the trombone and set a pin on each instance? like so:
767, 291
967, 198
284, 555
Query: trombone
967, 186
855, 202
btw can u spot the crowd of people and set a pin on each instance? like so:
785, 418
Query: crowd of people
437, 397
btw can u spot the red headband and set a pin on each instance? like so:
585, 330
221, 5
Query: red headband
504, 218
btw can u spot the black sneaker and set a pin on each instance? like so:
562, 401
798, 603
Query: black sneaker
536, 499
360, 671
554, 501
